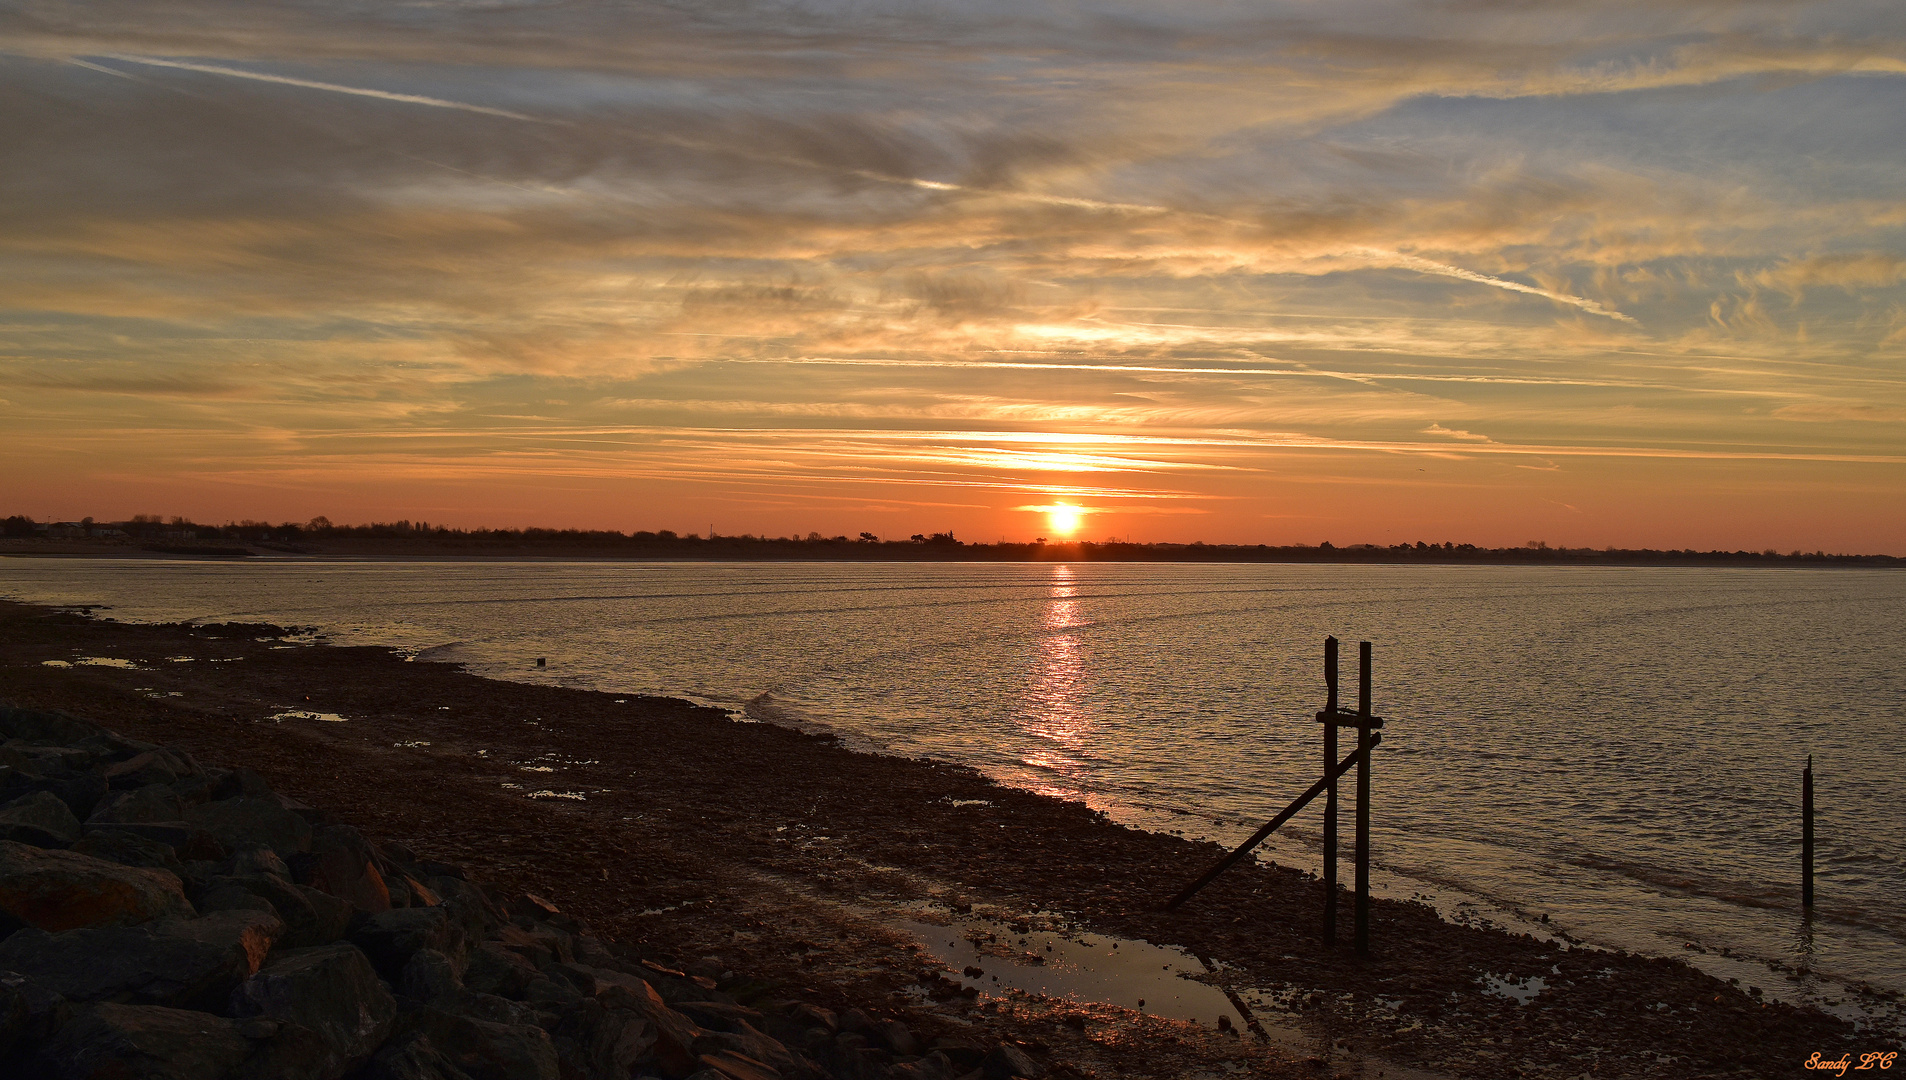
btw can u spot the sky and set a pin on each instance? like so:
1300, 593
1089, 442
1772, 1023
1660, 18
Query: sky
1591, 273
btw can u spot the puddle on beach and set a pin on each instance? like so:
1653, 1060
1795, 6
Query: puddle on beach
1521, 991
1082, 967
1099, 969
307, 714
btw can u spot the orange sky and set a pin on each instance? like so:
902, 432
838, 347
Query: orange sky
1606, 275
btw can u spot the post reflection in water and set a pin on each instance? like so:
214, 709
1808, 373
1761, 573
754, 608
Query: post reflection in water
1053, 715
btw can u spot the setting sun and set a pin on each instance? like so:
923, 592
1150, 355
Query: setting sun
1064, 519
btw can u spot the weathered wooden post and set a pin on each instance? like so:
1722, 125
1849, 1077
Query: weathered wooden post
1364, 730
1330, 795
1806, 838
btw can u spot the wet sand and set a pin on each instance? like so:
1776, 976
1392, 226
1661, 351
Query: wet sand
785, 854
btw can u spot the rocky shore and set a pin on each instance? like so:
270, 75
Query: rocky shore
420, 873
200, 926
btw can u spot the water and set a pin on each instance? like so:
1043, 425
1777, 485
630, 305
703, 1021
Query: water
1618, 749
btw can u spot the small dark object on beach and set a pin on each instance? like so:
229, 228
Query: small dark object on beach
542, 661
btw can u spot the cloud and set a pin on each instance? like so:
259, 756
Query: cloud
1251, 235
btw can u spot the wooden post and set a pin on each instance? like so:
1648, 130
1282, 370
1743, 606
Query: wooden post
1362, 932
1806, 838
1330, 795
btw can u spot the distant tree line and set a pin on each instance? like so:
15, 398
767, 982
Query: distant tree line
179, 533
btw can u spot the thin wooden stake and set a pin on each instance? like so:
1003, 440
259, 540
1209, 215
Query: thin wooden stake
1365, 741
1330, 795
1806, 837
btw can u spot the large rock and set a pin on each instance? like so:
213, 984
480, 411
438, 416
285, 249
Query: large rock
41, 819
484, 1050
252, 820
1009, 1062
80, 792
391, 937
344, 865
151, 803
190, 964
248, 936
330, 991
675, 1034
413, 1057
158, 766
15, 1014
311, 918
143, 1042
187, 840
493, 969
63, 890
128, 849
46, 728
595, 1041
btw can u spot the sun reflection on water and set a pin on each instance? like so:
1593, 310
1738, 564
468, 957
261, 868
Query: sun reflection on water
1054, 716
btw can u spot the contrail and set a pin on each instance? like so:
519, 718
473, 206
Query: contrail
1389, 258
1413, 262
310, 84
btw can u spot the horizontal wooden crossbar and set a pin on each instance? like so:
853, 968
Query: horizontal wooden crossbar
1349, 719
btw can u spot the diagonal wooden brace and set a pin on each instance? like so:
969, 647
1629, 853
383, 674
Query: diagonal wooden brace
1257, 837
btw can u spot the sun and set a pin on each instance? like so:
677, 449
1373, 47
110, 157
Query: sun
1064, 519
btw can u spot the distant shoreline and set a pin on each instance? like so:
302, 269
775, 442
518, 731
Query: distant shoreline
749, 549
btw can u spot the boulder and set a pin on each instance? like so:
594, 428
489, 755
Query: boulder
143, 1042
391, 937
15, 1013
41, 819
344, 865
238, 783
484, 1050
1009, 1062
493, 969
749, 1043
430, 977
593, 1041
252, 820
158, 766
675, 1034
931, 1067
733, 1066
63, 890
128, 849
81, 792
233, 898
44, 728
542, 946
189, 841
467, 905
244, 933
899, 1038
190, 964
412, 1058
110, 746
256, 859
153, 802
311, 918
330, 991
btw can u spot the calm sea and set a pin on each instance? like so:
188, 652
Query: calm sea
1617, 749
